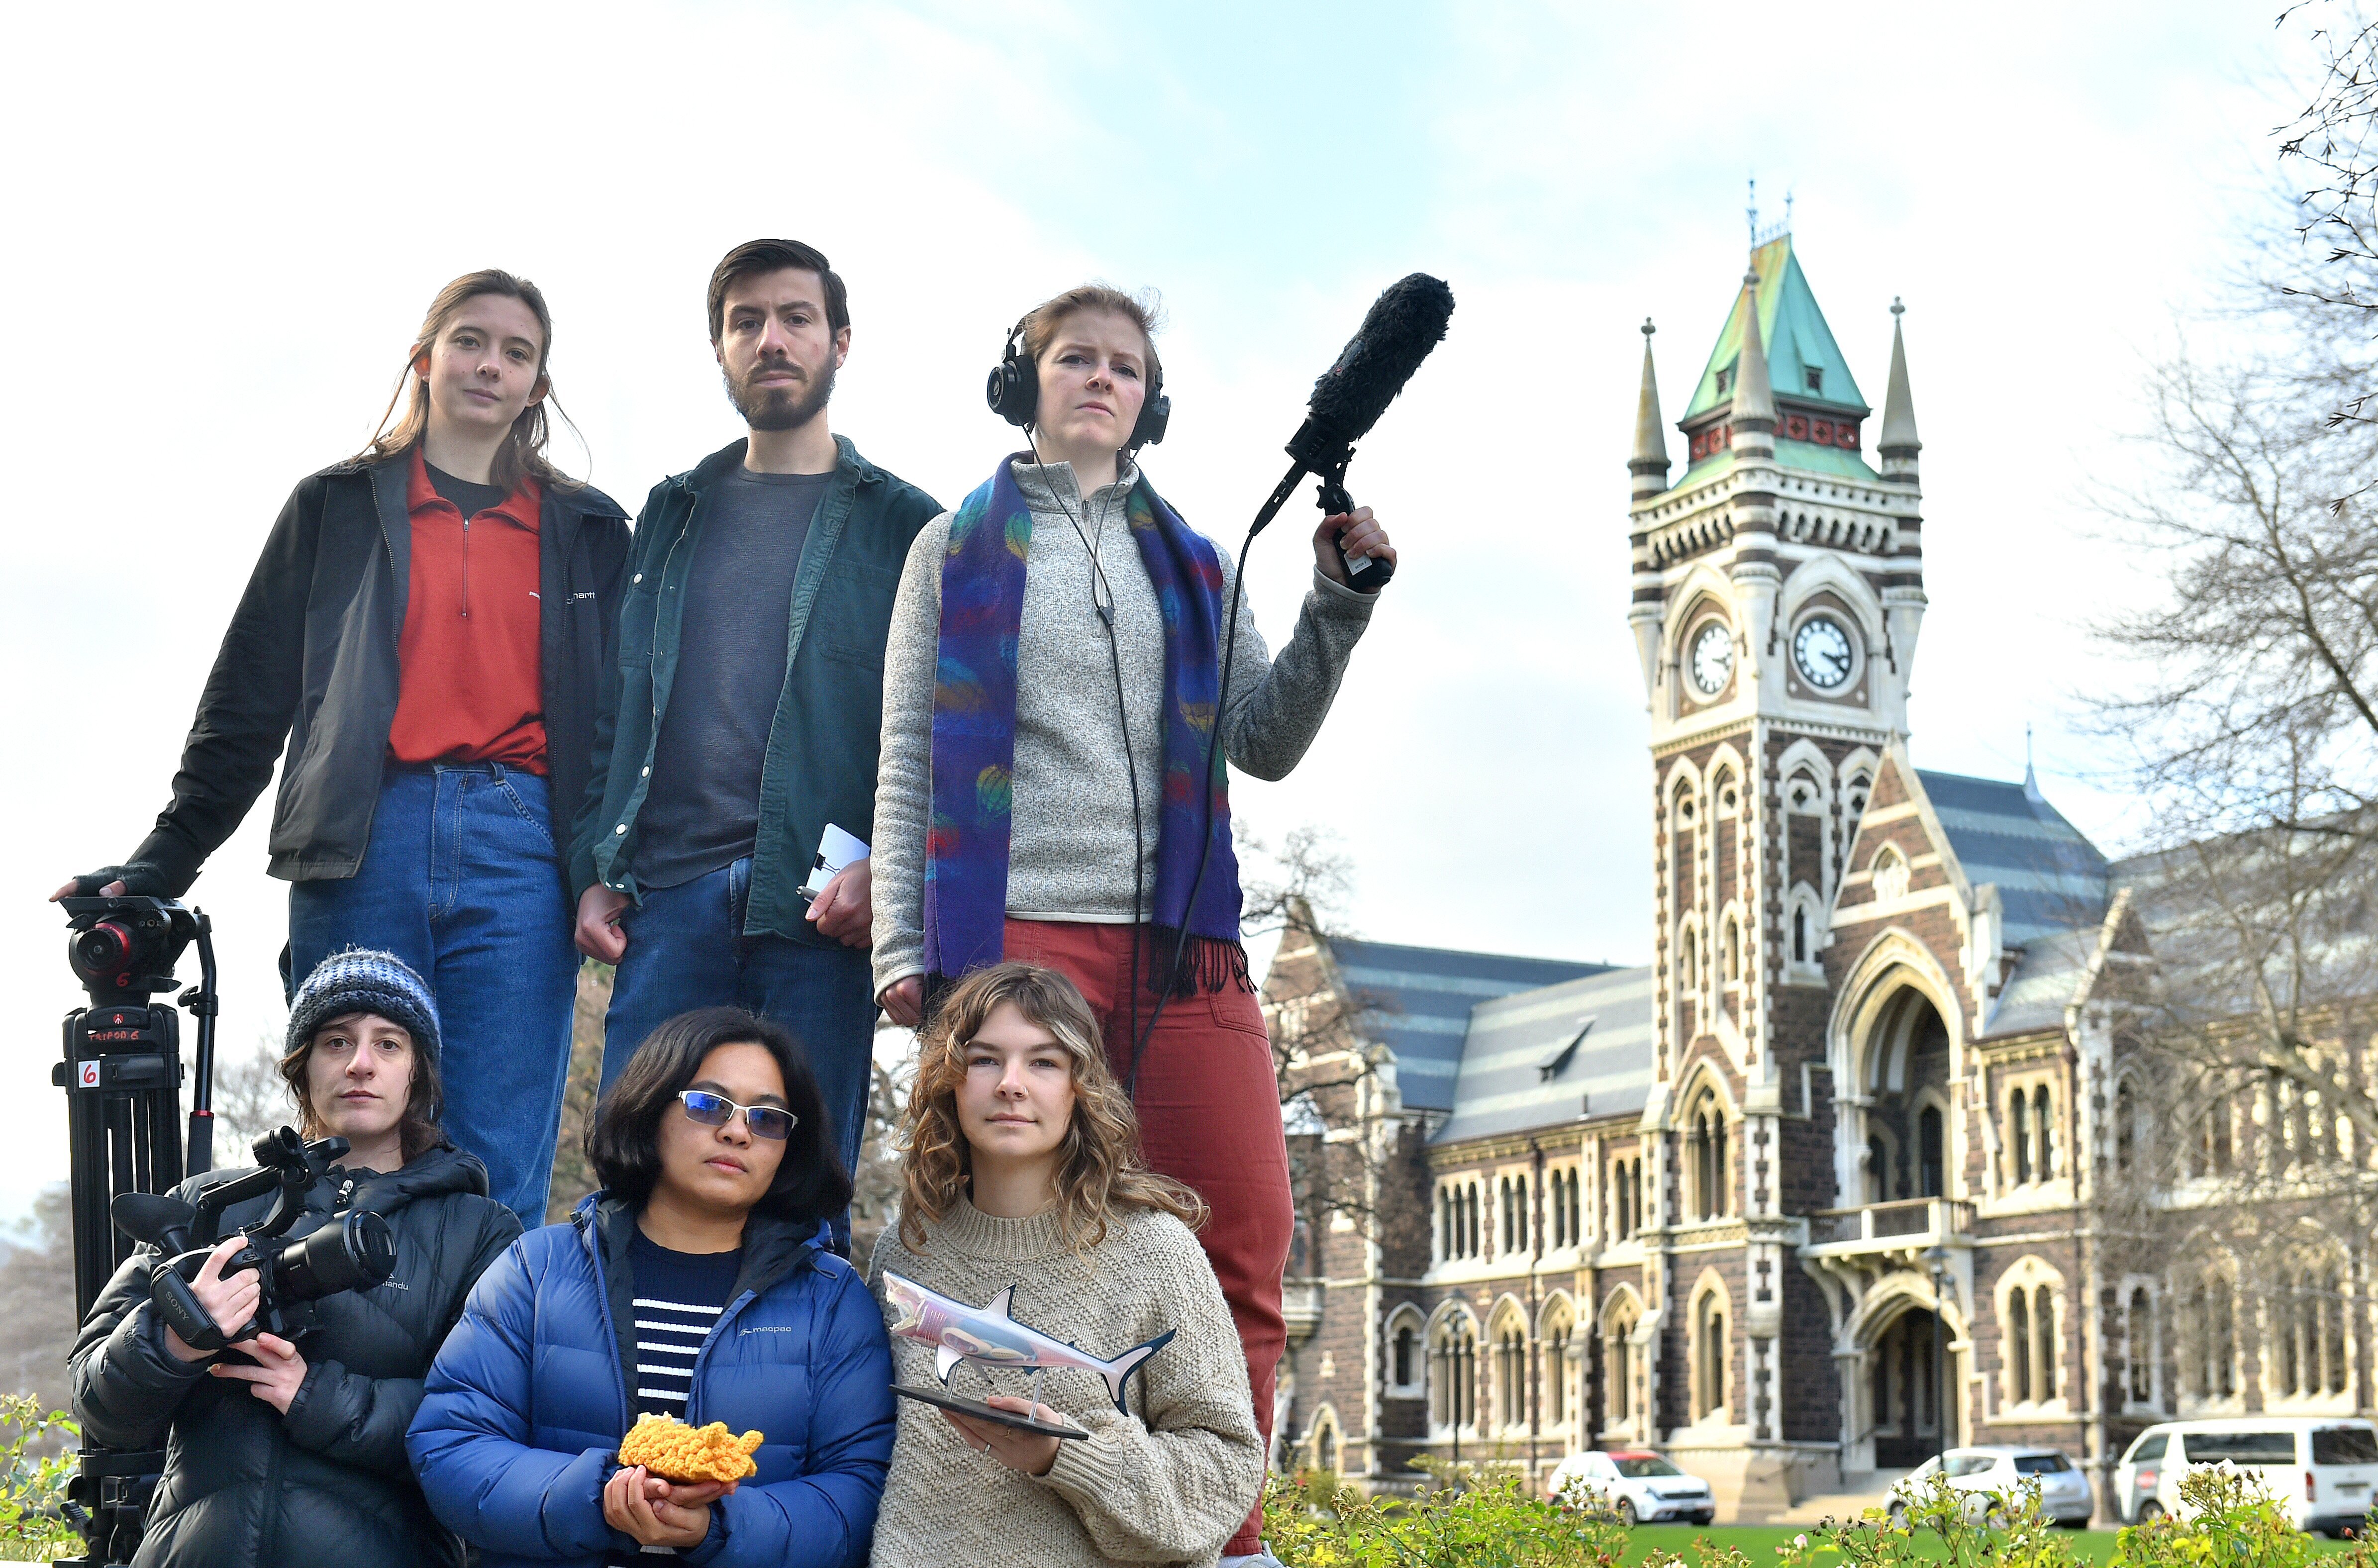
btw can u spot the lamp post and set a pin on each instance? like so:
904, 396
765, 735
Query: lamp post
1936, 1259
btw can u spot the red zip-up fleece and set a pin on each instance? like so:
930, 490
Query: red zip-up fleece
470, 659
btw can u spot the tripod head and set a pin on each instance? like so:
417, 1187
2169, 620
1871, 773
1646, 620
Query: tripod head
123, 949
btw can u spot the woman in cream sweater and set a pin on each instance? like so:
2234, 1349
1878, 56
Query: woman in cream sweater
1022, 1169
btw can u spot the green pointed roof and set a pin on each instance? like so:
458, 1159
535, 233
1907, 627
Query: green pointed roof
1796, 336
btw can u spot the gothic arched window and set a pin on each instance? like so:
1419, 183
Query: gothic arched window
2138, 1348
2019, 1130
1710, 1352
1930, 1160
2018, 1343
2043, 1120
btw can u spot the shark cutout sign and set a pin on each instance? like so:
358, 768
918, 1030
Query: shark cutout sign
990, 1336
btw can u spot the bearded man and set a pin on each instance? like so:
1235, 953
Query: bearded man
744, 708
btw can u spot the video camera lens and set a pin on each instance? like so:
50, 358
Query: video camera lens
354, 1254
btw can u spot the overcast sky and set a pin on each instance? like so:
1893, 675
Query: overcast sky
227, 225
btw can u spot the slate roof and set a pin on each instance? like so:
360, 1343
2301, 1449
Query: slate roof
1793, 332
1542, 1057
2051, 880
1424, 996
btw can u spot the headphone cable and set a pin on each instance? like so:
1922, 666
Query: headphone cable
1123, 718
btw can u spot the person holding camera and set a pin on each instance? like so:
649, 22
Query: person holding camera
293, 1452
697, 1284
426, 630
1056, 660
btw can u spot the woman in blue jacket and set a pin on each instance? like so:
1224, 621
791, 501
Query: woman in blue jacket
697, 1284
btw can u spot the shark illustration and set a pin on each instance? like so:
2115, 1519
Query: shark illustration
987, 1334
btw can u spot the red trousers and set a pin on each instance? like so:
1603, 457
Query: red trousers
1208, 1115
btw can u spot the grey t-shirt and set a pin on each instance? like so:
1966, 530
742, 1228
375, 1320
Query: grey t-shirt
703, 810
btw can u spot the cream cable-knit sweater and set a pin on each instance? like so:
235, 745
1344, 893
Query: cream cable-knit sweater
1070, 840
1167, 1484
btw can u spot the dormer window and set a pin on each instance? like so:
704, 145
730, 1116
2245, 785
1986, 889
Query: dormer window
1725, 379
1816, 379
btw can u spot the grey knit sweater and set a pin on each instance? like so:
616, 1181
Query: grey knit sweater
1070, 844
1169, 1483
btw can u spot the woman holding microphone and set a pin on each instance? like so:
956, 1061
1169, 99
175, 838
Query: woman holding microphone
1050, 686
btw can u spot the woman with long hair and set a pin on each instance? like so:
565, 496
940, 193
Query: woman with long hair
697, 1284
426, 630
292, 1451
1021, 1173
1050, 693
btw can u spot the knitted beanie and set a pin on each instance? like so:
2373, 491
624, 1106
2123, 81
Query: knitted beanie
365, 980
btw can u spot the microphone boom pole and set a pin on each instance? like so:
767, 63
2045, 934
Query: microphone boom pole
1404, 323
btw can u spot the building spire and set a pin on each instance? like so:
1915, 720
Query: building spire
1753, 398
1897, 444
1650, 463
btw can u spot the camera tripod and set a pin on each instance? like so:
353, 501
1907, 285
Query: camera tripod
122, 1078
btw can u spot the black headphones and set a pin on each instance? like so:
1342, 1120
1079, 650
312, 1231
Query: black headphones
1014, 393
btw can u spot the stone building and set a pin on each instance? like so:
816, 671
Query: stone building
1819, 1179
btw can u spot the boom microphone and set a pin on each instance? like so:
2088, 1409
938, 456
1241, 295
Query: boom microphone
1407, 320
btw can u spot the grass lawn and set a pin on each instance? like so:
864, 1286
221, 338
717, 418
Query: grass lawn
1758, 1541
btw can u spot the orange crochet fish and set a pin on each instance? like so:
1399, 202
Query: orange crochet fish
670, 1449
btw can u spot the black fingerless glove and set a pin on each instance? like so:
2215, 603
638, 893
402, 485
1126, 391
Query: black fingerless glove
141, 878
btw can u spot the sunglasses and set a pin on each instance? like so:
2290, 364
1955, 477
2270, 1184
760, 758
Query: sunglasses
773, 1123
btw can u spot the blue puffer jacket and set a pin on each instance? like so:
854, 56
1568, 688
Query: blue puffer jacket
527, 1401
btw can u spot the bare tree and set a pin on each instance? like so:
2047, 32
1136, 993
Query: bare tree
2252, 732
2330, 144
251, 1098
876, 1183
573, 1177
37, 1297
1323, 1062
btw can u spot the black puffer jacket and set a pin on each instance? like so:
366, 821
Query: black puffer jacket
328, 1482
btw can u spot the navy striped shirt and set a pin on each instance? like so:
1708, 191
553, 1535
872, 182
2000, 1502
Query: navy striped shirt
678, 1299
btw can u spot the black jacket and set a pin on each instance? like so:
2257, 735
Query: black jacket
311, 658
328, 1482
828, 729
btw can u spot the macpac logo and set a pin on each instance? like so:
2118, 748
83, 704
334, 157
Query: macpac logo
771, 1328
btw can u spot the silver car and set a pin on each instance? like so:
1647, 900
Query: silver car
2064, 1494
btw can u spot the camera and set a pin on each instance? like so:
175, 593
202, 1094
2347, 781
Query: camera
356, 1251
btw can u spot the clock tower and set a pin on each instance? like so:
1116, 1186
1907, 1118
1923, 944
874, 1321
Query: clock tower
1777, 595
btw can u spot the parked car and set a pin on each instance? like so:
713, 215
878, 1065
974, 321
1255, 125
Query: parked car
1646, 1489
2318, 1468
1985, 1474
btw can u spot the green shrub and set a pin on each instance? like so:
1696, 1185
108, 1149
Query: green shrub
1466, 1520
32, 1484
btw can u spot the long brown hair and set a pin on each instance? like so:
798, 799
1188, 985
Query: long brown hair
1099, 1173
523, 453
425, 1100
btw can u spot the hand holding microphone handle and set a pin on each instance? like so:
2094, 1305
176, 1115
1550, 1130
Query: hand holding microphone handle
1318, 449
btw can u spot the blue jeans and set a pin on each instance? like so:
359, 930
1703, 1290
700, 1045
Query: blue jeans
462, 881
686, 948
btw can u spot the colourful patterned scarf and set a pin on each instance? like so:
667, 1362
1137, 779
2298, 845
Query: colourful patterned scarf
974, 740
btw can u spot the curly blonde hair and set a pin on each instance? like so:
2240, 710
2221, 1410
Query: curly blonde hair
1099, 1172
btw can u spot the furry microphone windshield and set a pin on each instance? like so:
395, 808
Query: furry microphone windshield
1407, 320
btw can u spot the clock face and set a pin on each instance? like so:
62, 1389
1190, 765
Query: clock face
1822, 650
1713, 658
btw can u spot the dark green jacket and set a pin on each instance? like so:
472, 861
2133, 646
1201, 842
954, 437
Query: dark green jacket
822, 745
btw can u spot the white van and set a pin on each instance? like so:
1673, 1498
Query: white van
2319, 1469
